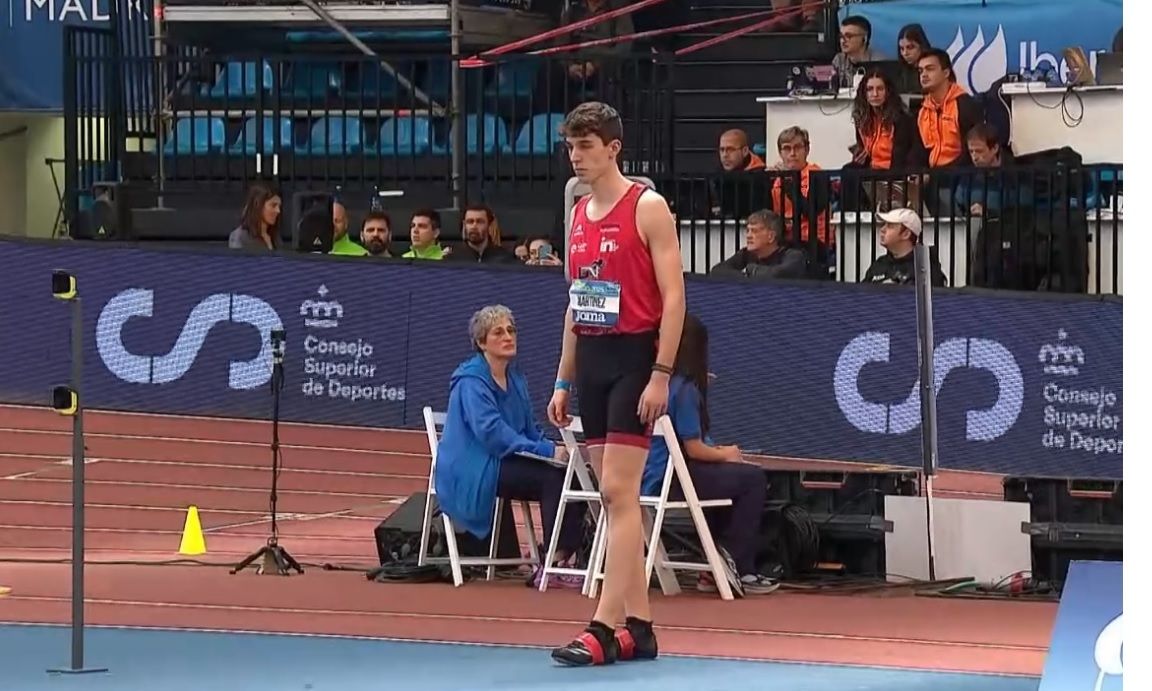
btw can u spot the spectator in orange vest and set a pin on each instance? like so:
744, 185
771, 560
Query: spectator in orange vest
807, 203
735, 154
947, 114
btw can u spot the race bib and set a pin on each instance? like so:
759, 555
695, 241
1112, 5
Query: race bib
594, 303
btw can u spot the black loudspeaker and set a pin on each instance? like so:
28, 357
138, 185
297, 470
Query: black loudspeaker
1070, 519
834, 521
311, 218
398, 535
109, 218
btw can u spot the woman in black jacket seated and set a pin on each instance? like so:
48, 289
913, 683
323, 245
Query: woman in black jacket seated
887, 139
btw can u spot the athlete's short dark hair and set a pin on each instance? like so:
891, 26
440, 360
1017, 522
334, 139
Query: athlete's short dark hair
594, 119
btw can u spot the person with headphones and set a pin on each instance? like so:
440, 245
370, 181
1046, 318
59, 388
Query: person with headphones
855, 49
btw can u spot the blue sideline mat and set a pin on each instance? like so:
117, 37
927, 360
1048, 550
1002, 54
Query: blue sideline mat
166, 660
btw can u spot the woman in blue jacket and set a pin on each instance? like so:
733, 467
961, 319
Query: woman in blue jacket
717, 472
491, 445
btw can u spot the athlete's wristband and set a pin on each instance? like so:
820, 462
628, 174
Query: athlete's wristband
562, 385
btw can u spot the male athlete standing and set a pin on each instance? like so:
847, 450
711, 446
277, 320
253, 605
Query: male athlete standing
621, 332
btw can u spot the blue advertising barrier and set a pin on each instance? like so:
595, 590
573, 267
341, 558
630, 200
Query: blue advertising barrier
1087, 647
1026, 385
989, 40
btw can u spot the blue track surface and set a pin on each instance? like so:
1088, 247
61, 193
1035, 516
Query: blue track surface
163, 660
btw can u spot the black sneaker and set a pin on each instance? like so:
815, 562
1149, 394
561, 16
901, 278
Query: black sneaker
637, 642
588, 649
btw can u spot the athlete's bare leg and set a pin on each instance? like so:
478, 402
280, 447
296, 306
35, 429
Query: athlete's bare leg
625, 589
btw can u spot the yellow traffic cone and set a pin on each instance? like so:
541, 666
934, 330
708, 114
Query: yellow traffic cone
192, 541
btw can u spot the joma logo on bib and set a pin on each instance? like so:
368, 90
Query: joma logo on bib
590, 317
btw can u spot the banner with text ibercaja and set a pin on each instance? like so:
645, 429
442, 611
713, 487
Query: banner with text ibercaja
1026, 384
987, 41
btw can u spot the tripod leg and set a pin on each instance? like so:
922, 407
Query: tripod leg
247, 561
290, 561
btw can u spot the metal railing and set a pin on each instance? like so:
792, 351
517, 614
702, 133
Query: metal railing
327, 120
91, 150
1044, 228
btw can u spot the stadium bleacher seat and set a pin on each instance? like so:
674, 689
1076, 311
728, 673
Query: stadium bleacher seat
334, 135
197, 135
484, 134
316, 79
407, 135
540, 134
240, 79
250, 142
516, 79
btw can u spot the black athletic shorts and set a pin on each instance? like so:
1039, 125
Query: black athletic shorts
611, 374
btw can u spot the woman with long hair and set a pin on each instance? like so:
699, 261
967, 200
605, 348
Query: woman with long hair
911, 44
886, 138
718, 472
886, 134
259, 227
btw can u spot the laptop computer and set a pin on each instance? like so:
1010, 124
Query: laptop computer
1110, 69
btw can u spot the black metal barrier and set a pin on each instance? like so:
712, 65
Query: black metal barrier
1054, 228
322, 120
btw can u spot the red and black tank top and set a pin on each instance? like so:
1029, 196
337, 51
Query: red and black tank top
611, 250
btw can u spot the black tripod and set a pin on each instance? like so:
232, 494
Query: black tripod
275, 560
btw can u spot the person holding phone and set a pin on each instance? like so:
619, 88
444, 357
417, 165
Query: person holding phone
541, 253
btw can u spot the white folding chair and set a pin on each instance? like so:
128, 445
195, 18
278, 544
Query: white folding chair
433, 423
657, 557
586, 493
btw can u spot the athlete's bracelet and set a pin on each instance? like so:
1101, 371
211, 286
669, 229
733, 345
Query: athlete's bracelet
663, 369
562, 385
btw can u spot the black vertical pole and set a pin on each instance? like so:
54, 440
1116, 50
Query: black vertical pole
77, 489
77, 335
927, 349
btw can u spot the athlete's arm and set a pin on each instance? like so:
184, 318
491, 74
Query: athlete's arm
567, 369
655, 223
558, 406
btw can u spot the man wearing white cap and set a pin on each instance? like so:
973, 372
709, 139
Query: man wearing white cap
899, 235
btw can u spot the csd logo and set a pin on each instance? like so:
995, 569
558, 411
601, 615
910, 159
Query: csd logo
1109, 652
955, 353
164, 369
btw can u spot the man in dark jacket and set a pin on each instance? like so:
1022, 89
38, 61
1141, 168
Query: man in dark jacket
901, 232
764, 255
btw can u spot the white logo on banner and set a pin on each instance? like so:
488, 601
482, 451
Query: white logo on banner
978, 65
338, 367
1080, 418
165, 369
1109, 652
956, 353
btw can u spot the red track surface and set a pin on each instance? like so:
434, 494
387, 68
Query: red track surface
338, 483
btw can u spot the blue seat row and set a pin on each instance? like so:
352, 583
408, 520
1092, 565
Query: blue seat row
238, 80
347, 134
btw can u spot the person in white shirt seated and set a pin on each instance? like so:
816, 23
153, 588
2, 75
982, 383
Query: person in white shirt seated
491, 445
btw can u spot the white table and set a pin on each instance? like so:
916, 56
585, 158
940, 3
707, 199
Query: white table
827, 118
1045, 118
